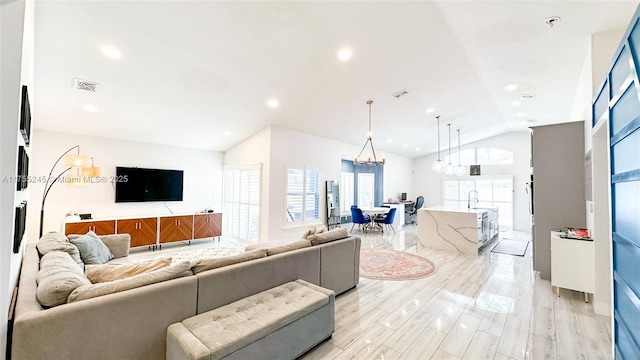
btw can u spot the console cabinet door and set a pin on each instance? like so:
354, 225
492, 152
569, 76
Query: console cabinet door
207, 225
143, 231
104, 227
176, 228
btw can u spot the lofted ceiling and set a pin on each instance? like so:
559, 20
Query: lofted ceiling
199, 73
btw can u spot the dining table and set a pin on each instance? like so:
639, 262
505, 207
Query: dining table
373, 212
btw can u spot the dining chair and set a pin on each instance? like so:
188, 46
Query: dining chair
357, 217
411, 214
387, 220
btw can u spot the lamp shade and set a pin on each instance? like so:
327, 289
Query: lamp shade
77, 160
460, 170
437, 166
75, 181
449, 169
92, 171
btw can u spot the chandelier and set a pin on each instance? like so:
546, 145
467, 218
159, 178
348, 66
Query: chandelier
371, 159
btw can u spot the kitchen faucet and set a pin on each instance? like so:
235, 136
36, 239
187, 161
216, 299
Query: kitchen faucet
469, 199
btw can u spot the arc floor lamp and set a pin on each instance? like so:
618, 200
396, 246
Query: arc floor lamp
84, 166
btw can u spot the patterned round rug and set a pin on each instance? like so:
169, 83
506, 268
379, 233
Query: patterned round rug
394, 265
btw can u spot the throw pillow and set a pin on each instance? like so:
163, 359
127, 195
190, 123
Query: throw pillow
59, 275
94, 290
328, 236
107, 272
118, 244
92, 249
55, 241
209, 264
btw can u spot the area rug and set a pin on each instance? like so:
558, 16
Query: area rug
511, 247
393, 265
207, 253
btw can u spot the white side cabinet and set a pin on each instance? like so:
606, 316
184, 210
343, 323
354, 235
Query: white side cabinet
572, 264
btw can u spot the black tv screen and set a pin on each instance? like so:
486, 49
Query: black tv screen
138, 185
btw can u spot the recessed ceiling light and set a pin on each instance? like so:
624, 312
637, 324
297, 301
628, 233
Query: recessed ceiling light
516, 103
227, 133
430, 110
89, 108
523, 122
520, 114
417, 149
344, 54
110, 51
273, 103
405, 145
389, 140
511, 87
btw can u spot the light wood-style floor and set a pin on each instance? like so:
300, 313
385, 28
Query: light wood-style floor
492, 306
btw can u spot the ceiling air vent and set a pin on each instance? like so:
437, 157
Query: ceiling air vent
85, 85
400, 94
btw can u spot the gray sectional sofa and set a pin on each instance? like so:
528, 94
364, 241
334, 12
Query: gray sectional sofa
132, 324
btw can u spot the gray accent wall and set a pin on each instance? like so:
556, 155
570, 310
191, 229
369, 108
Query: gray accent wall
558, 186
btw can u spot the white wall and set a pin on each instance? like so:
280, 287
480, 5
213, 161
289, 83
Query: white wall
16, 46
287, 147
429, 184
202, 178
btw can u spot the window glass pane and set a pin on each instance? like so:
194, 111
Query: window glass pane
465, 187
366, 187
502, 190
312, 198
482, 156
484, 189
451, 189
499, 156
295, 185
467, 157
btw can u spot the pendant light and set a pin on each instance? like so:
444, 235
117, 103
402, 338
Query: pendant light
459, 170
370, 160
449, 168
438, 165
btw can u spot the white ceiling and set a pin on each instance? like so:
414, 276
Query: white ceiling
191, 70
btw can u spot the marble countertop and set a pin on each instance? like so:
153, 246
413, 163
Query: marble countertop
457, 209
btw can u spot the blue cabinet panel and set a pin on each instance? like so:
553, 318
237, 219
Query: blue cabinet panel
634, 41
626, 258
626, 348
620, 71
625, 155
625, 110
626, 210
627, 304
601, 105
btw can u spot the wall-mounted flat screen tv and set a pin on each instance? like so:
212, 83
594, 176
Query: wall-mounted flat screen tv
138, 184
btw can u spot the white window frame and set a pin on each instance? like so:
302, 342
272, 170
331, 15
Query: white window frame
347, 189
304, 220
232, 223
463, 202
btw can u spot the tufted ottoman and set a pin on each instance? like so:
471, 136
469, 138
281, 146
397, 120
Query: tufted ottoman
280, 323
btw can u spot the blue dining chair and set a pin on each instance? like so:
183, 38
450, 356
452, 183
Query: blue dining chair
387, 221
357, 217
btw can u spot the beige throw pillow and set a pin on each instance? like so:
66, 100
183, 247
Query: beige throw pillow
209, 264
55, 241
328, 236
94, 290
59, 275
107, 272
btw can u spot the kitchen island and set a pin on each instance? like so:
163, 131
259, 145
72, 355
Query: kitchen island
459, 229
